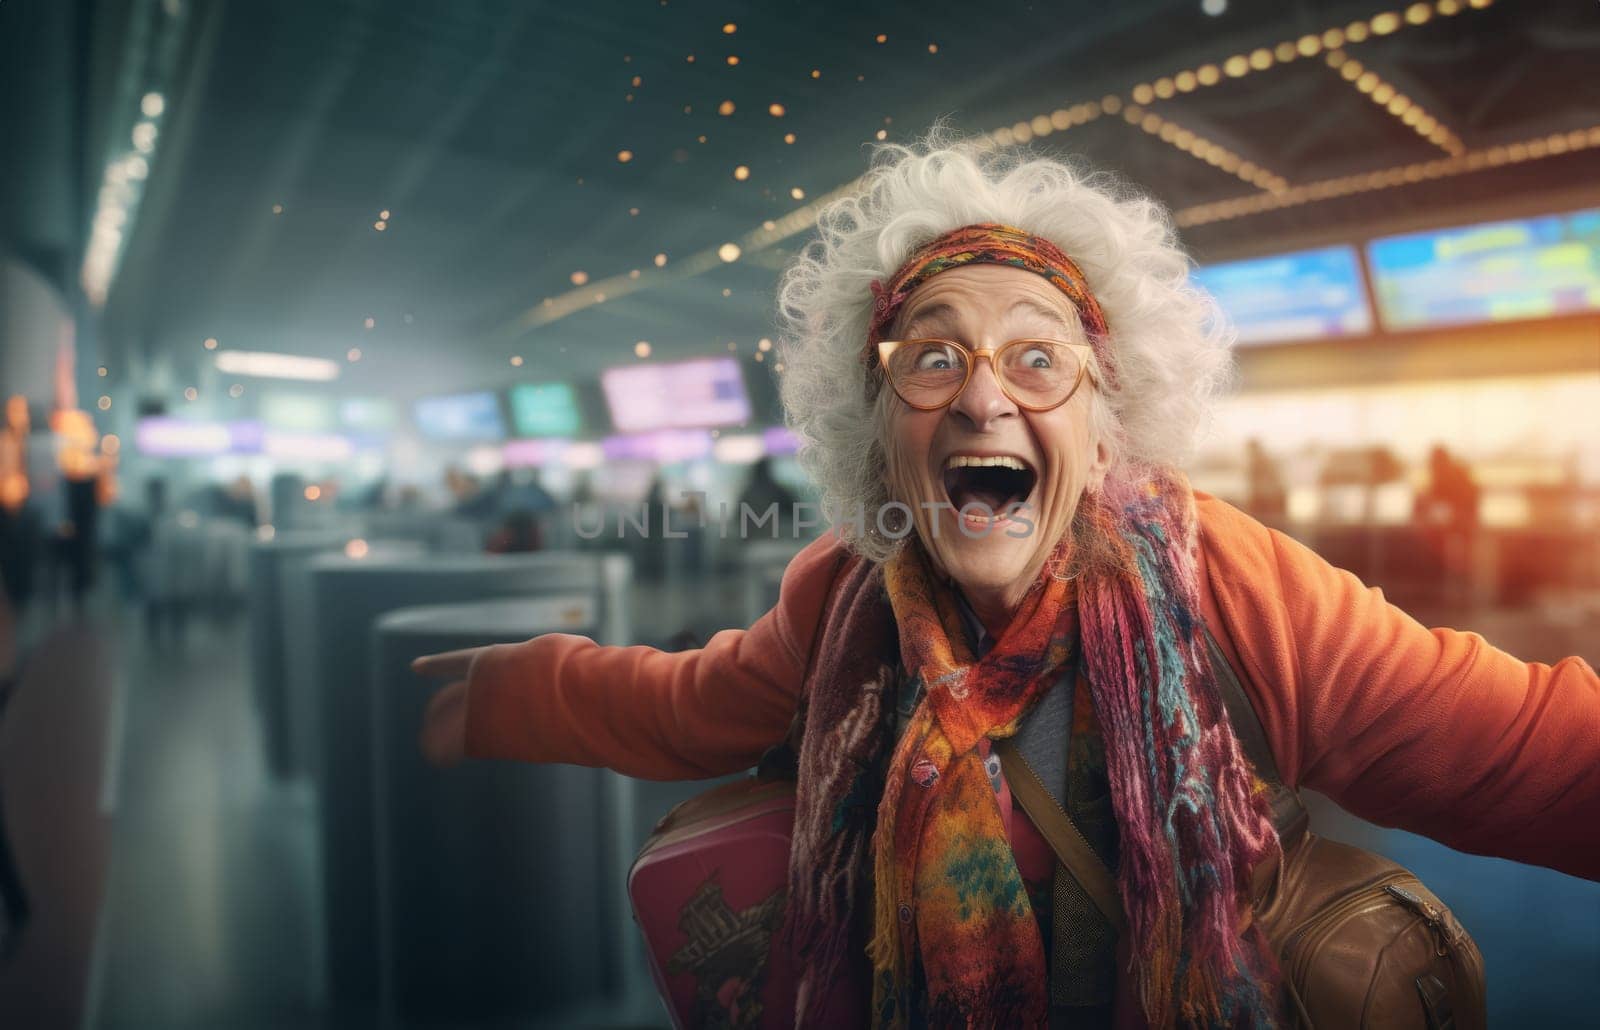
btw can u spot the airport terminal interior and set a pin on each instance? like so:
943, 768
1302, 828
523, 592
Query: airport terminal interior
338, 332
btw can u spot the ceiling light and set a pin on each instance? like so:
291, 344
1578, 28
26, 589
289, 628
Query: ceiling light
624, 156
797, 193
1214, 8
236, 391
370, 322
661, 260
642, 348
725, 108
1385, 23
516, 361
729, 252
268, 365
579, 278
933, 48
741, 173
211, 343
732, 61
353, 354
882, 38
152, 105
788, 137
729, 29
776, 110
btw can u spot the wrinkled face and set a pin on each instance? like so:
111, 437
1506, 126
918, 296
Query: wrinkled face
983, 449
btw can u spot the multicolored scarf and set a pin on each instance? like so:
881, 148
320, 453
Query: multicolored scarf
947, 887
1192, 821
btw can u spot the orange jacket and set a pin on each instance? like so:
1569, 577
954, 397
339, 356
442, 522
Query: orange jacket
1433, 731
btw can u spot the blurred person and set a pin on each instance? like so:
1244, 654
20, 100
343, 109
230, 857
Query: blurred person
1008, 364
1450, 499
81, 465
1267, 499
763, 491
523, 493
166, 576
19, 531
125, 534
237, 501
517, 533
1447, 513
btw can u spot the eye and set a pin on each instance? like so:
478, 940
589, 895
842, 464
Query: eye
1037, 357
936, 359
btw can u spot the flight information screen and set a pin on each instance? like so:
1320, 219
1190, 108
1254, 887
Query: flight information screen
1496, 272
1312, 294
460, 417
683, 395
545, 409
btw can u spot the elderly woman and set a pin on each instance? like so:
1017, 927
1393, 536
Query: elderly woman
997, 368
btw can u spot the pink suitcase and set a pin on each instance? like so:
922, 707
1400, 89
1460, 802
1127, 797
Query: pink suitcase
708, 893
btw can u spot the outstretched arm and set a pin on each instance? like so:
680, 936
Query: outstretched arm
648, 713
1430, 730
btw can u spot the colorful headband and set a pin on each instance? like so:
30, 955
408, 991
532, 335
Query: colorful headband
986, 243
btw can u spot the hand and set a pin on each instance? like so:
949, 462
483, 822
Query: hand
443, 738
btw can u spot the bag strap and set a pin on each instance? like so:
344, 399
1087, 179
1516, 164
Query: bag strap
1065, 839
1289, 815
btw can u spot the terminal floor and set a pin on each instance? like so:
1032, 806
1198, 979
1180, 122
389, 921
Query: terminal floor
175, 883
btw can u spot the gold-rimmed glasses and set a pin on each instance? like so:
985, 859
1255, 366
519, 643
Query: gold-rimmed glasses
1037, 375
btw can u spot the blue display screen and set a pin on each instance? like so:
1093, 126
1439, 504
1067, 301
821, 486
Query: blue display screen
1496, 272
545, 409
460, 417
1311, 294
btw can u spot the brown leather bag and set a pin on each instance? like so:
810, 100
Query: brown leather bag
1360, 940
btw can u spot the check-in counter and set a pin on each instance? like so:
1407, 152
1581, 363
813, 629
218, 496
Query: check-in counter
347, 595
497, 887
436, 531
298, 617
268, 648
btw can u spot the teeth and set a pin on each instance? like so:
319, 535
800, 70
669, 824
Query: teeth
970, 461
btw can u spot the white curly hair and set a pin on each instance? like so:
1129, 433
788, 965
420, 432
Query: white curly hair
1169, 347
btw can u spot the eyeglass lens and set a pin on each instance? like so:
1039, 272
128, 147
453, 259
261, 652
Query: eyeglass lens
932, 372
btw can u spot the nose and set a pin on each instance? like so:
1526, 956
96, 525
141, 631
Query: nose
981, 402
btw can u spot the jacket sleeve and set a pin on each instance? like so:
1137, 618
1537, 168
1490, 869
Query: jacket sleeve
1429, 730
648, 713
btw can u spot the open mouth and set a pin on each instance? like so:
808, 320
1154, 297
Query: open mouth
995, 482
